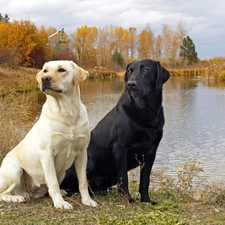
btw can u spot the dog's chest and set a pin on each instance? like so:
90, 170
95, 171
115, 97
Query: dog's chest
66, 138
140, 143
70, 134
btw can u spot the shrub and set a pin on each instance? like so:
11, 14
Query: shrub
221, 75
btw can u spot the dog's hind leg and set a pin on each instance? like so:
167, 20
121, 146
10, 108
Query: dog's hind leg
10, 175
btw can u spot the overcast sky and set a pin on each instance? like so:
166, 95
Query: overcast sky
204, 19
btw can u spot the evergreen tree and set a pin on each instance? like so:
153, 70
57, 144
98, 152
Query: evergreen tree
187, 51
4, 19
117, 60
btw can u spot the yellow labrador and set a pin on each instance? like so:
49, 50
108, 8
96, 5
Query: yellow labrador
60, 137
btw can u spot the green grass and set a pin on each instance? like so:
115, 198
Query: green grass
113, 209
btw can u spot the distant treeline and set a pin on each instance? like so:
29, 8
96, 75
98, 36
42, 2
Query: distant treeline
108, 48
22, 43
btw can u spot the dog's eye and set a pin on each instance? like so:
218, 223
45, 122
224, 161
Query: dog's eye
145, 70
129, 72
61, 70
45, 71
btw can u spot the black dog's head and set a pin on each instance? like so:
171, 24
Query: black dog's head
144, 75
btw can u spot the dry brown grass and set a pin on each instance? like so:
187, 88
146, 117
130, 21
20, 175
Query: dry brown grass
21, 80
15, 120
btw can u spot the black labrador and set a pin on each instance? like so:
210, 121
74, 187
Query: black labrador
129, 135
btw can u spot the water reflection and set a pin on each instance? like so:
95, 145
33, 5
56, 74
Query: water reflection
195, 119
100, 96
194, 125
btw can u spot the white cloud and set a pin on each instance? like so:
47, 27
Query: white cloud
204, 19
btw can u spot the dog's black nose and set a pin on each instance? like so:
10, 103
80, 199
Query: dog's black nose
46, 78
131, 84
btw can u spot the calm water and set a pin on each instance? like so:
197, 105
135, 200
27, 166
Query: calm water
195, 119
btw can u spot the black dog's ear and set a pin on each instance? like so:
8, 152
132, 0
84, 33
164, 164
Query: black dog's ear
162, 75
125, 75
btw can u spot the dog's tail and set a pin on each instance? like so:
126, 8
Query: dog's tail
7, 185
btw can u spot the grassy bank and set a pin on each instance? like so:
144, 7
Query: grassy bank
205, 74
24, 79
172, 209
102, 74
188, 72
21, 80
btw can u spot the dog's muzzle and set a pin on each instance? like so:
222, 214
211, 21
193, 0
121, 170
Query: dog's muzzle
48, 87
136, 89
46, 83
132, 85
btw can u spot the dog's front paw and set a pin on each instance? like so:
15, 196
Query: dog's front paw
12, 198
63, 205
131, 200
89, 202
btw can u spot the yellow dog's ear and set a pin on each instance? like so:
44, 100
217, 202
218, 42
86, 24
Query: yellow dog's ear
79, 74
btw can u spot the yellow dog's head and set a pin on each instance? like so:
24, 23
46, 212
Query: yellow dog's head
60, 76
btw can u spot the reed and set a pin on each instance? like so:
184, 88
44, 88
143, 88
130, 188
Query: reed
14, 122
209, 73
221, 75
102, 73
187, 72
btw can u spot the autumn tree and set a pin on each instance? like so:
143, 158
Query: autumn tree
166, 42
146, 43
124, 44
21, 43
42, 51
4, 52
181, 33
119, 41
18, 38
174, 52
158, 47
132, 40
187, 51
113, 40
170, 45
103, 52
115, 35
84, 42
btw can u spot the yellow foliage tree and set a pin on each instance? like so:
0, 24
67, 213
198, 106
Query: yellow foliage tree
21, 43
18, 38
42, 51
146, 41
132, 39
84, 41
158, 47
103, 53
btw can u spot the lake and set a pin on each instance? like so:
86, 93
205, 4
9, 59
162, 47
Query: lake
194, 114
